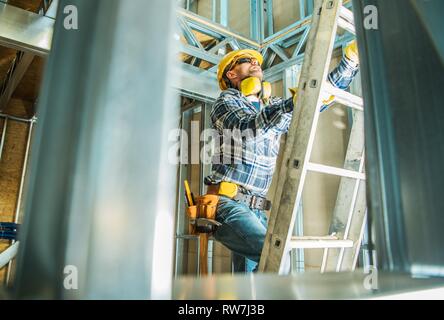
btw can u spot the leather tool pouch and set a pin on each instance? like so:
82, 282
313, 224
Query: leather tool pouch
203, 214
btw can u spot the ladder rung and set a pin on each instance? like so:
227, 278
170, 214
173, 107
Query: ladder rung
347, 14
315, 167
319, 242
346, 20
350, 100
314, 238
346, 26
344, 97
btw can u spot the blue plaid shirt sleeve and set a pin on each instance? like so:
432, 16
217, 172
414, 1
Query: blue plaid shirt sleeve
343, 75
230, 113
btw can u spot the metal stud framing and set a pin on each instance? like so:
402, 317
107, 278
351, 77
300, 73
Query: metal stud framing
271, 47
275, 45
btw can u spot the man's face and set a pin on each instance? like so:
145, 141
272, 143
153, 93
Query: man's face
245, 68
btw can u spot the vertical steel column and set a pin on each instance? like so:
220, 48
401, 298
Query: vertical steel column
253, 20
214, 10
257, 20
309, 7
302, 13
101, 186
270, 21
224, 12
260, 17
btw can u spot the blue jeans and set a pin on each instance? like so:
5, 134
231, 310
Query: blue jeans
243, 231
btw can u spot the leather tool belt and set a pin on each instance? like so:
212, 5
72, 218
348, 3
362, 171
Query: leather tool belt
233, 191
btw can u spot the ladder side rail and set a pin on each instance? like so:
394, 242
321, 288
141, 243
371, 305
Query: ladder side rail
348, 188
302, 132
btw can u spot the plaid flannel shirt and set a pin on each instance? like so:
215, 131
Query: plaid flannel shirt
249, 139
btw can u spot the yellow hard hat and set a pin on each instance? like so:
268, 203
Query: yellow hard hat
231, 57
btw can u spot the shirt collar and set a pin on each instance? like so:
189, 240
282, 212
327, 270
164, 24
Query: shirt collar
236, 93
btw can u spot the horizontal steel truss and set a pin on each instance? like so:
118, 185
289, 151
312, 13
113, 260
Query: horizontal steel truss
32, 33
280, 50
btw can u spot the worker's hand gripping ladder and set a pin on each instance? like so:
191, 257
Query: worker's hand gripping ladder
341, 247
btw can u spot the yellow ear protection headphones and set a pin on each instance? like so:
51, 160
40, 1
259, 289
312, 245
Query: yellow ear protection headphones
254, 86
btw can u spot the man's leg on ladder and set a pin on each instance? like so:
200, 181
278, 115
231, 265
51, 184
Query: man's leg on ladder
243, 231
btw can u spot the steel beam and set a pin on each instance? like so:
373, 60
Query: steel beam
193, 82
100, 181
224, 13
201, 54
287, 32
196, 83
260, 20
215, 30
301, 43
284, 38
257, 27
23, 59
253, 20
189, 35
279, 52
220, 45
270, 19
310, 7
24, 30
275, 72
294, 28
302, 13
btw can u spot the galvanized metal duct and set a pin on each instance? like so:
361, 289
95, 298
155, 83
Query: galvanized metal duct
403, 78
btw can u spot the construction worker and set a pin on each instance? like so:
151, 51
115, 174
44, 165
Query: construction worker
243, 181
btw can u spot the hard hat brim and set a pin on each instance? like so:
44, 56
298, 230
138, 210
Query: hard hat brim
232, 57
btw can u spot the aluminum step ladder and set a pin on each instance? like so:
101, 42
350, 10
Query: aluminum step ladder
341, 247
